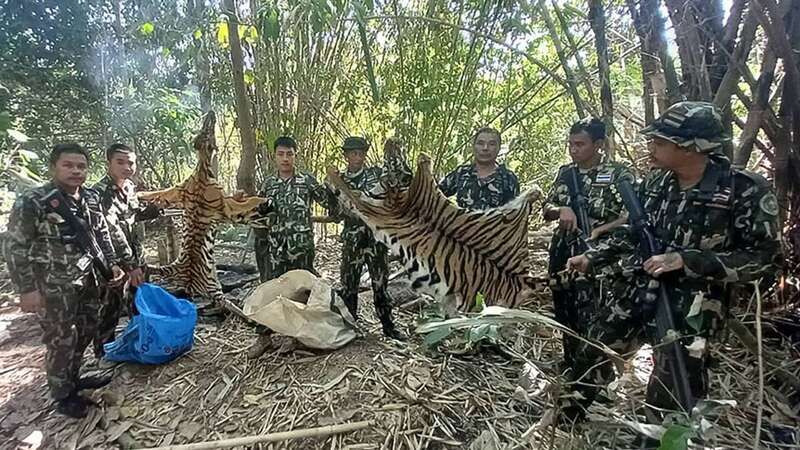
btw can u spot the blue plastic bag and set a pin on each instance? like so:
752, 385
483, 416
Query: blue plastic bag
162, 330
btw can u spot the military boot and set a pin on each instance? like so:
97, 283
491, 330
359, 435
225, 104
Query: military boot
95, 381
351, 301
73, 406
384, 314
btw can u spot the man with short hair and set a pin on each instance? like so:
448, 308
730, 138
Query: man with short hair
359, 246
485, 183
58, 250
717, 225
288, 241
122, 210
596, 181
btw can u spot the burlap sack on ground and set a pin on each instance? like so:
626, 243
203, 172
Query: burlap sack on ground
300, 305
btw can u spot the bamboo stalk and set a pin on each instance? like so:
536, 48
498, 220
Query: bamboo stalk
271, 437
760, 412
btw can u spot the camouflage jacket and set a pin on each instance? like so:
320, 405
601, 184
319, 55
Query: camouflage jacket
365, 180
599, 186
40, 247
475, 193
122, 210
725, 228
289, 204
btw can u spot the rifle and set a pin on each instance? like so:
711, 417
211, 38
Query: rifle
83, 237
579, 206
665, 322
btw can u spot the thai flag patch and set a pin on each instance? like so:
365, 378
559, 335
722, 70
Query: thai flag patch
603, 178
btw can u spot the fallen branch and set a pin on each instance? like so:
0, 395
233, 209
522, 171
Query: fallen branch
271, 437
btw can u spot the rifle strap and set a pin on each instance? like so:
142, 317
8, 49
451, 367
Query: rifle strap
574, 191
61, 207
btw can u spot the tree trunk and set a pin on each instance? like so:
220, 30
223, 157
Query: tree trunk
245, 175
736, 64
691, 49
580, 106
202, 66
587, 81
756, 112
721, 65
597, 17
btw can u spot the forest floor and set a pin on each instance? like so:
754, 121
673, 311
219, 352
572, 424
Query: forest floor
490, 398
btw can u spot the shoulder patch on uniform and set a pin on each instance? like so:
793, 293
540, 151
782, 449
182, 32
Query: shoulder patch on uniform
769, 204
604, 177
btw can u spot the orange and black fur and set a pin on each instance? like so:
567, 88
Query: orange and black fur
450, 253
204, 205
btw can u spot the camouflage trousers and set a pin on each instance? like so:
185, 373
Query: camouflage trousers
574, 297
115, 305
273, 258
69, 321
354, 255
622, 324
574, 307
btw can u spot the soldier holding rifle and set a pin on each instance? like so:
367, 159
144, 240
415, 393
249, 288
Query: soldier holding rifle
706, 225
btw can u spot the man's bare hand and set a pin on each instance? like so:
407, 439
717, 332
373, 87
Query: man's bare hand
117, 274
31, 301
658, 264
136, 277
239, 195
578, 263
566, 219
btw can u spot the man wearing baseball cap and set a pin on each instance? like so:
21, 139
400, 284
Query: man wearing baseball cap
717, 225
359, 247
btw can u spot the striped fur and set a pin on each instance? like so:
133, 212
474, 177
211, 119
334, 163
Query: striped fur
204, 205
450, 253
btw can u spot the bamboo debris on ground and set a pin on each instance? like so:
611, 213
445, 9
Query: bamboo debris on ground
418, 398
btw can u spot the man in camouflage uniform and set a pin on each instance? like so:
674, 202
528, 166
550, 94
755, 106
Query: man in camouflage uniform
358, 244
483, 184
122, 210
54, 268
717, 225
288, 241
574, 297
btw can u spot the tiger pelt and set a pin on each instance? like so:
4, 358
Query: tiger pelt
204, 205
450, 253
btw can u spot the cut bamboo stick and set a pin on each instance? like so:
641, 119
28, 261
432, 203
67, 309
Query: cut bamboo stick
271, 437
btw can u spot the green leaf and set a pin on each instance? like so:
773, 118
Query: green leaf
675, 438
18, 136
248, 34
165, 52
270, 27
5, 121
479, 302
434, 337
147, 28
222, 34
480, 332
198, 33
249, 77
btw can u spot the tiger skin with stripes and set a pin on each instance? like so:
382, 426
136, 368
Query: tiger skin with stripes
449, 253
204, 205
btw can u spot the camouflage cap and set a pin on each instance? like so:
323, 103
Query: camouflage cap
355, 143
695, 125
